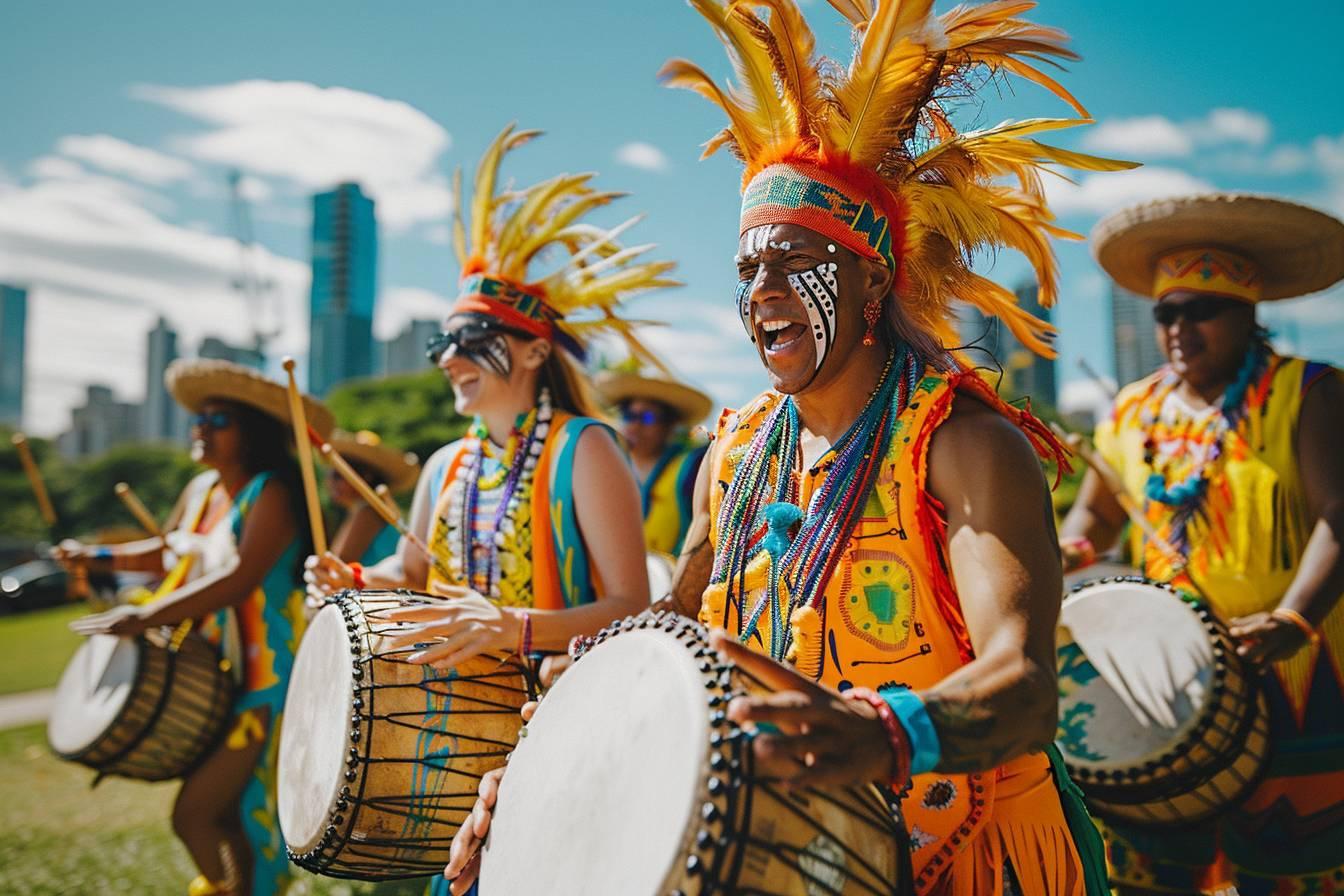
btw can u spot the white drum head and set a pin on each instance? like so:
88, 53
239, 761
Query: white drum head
600, 795
315, 734
1157, 641
93, 690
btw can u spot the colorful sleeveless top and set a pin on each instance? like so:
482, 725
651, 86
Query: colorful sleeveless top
666, 497
549, 567
1245, 539
890, 613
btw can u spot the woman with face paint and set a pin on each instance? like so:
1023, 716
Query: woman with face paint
534, 517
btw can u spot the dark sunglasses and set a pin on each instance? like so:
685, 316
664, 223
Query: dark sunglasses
215, 420
648, 418
1195, 310
469, 338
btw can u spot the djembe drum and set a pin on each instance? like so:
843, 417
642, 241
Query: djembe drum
147, 708
631, 781
1152, 773
380, 759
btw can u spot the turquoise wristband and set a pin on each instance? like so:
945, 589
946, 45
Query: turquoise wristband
102, 552
925, 750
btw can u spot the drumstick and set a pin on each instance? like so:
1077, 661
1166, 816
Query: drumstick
389, 515
137, 509
1110, 480
300, 421
35, 482
386, 494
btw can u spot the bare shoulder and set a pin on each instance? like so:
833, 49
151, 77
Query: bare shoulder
977, 443
1323, 399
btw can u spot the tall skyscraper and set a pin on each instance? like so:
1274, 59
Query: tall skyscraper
13, 329
100, 424
1132, 336
345, 277
162, 419
405, 352
1025, 373
214, 347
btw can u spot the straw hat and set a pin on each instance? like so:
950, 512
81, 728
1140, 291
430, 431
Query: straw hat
1297, 249
691, 405
194, 382
364, 448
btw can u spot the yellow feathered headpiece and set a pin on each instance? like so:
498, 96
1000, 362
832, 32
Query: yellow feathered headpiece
868, 157
507, 232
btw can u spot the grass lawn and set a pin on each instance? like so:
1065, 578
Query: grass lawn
63, 838
35, 646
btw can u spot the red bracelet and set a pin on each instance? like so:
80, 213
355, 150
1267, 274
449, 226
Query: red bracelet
1083, 545
525, 633
1297, 619
897, 739
357, 571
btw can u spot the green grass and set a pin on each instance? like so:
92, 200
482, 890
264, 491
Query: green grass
35, 646
63, 838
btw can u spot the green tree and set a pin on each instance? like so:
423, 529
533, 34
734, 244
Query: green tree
411, 412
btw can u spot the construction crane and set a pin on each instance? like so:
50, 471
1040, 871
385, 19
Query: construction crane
251, 282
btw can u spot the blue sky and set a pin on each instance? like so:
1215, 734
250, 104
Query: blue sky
120, 124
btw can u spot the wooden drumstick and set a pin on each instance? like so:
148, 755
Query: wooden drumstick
30, 469
1110, 480
386, 494
137, 509
300, 422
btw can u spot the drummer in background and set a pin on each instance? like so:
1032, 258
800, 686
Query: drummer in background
655, 414
363, 536
1234, 452
878, 519
533, 516
242, 528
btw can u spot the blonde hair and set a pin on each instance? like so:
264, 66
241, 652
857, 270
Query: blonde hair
570, 390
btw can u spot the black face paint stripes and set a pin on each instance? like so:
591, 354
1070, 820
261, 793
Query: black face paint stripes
818, 290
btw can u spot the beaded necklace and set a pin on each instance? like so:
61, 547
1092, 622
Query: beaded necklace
806, 561
1187, 494
474, 559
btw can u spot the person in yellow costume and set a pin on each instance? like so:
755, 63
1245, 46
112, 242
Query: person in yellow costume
654, 412
1233, 452
878, 519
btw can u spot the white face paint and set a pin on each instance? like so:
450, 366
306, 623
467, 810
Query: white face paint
819, 291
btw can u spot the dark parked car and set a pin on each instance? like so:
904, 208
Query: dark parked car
42, 583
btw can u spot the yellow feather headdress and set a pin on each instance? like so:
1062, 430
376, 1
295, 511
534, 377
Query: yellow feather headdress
867, 155
507, 232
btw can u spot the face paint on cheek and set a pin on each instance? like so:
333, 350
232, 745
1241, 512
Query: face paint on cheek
819, 292
744, 307
491, 353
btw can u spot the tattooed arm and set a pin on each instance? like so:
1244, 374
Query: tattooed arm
691, 576
1004, 558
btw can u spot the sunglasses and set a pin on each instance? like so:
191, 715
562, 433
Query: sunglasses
648, 418
1196, 310
215, 420
470, 338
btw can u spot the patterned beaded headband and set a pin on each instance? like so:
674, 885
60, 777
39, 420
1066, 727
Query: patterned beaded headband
1210, 271
518, 306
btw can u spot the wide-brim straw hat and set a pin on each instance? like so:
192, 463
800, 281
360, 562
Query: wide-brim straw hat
193, 382
690, 404
399, 469
1297, 249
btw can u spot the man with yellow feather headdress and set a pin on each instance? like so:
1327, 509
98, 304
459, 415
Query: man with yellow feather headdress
878, 520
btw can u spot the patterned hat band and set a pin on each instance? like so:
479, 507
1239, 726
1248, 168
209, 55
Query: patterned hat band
516, 305
1210, 271
811, 197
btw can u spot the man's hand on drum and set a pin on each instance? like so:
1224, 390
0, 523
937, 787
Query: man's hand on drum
325, 575
806, 734
444, 634
464, 857
123, 620
1264, 638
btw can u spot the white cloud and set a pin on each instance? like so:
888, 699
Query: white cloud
1086, 396
399, 305
642, 155
316, 137
119, 157
102, 266
1107, 191
1232, 126
1288, 160
54, 167
439, 235
1145, 137
254, 189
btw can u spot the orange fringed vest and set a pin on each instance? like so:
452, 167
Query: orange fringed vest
890, 612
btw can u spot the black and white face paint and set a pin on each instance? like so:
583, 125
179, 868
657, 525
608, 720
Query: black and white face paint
481, 341
757, 239
819, 291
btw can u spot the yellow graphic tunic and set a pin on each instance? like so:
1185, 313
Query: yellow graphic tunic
890, 615
1244, 546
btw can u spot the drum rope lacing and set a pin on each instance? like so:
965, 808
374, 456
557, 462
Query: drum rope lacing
335, 855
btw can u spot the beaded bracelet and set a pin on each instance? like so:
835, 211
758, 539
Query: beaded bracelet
1087, 553
1297, 619
357, 575
897, 738
102, 552
525, 633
